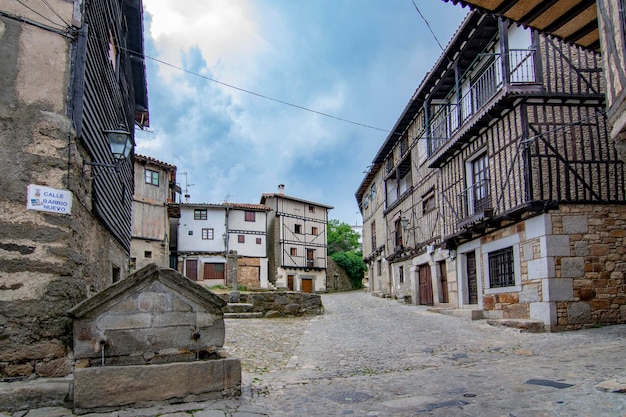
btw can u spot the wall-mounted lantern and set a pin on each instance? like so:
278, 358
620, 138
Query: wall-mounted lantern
405, 223
121, 144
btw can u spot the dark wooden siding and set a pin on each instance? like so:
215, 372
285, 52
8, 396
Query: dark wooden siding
570, 156
108, 101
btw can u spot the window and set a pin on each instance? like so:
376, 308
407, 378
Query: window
147, 254
401, 274
373, 232
478, 197
207, 234
366, 201
297, 229
258, 241
132, 264
311, 209
250, 216
310, 258
428, 203
398, 232
373, 192
379, 267
190, 233
314, 230
501, 268
293, 251
199, 214
241, 238
152, 177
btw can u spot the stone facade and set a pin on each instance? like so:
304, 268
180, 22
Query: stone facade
48, 262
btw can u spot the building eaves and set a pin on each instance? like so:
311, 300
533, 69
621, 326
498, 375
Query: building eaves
246, 206
148, 159
265, 196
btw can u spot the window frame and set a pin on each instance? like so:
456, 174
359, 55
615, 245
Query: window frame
150, 175
200, 214
208, 233
250, 216
297, 229
486, 249
241, 238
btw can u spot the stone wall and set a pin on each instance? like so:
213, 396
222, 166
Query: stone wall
48, 262
336, 277
282, 303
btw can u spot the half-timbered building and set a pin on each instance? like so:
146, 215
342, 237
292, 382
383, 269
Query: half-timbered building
297, 242
72, 71
155, 188
503, 194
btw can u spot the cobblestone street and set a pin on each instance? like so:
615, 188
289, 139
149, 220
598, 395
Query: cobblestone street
368, 356
372, 356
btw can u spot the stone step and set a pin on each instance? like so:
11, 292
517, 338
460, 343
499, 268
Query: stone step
238, 308
470, 314
525, 325
252, 315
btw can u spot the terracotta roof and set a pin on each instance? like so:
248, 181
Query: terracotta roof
246, 206
143, 158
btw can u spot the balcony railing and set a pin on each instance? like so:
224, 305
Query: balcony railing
449, 117
475, 201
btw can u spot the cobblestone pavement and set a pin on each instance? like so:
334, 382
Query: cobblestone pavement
368, 356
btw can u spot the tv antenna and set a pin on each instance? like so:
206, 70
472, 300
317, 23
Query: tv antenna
187, 185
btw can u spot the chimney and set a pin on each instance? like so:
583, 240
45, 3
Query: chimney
281, 188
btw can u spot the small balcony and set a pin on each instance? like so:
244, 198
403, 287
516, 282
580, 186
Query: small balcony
475, 204
450, 116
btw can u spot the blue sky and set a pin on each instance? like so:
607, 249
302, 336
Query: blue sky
358, 60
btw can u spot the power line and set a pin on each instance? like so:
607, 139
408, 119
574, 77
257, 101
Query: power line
44, 17
427, 24
297, 106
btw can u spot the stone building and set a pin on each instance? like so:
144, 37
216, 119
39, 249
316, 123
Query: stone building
155, 188
72, 71
296, 242
501, 194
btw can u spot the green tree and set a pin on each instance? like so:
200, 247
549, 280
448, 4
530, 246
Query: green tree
341, 237
352, 263
343, 243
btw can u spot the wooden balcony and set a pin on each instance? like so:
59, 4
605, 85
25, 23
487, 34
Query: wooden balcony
451, 117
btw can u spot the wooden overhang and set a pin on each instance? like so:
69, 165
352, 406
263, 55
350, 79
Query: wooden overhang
134, 19
575, 21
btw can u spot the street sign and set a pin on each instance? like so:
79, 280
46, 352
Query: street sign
48, 199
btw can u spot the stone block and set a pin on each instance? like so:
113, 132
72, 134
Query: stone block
581, 248
575, 224
152, 302
124, 321
573, 267
545, 312
538, 226
111, 387
173, 319
529, 293
558, 289
53, 368
515, 311
541, 268
555, 245
528, 252
579, 313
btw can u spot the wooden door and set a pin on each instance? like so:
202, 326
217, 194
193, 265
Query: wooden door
472, 283
443, 279
290, 282
307, 285
425, 285
213, 271
191, 269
